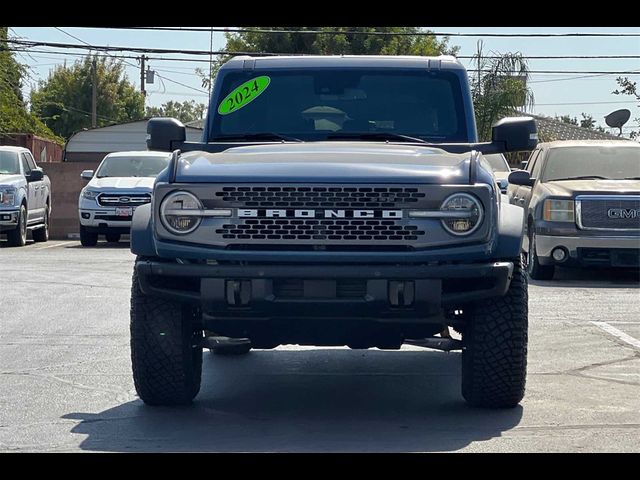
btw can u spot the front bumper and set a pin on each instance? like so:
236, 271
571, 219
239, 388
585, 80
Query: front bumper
103, 219
8, 219
383, 292
590, 250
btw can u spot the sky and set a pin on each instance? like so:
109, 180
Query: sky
554, 94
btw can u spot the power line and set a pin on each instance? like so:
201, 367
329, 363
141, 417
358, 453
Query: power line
182, 84
107, 48
385, 34
583, 103
204, 52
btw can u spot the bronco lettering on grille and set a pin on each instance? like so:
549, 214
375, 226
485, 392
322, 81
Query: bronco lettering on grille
312, 213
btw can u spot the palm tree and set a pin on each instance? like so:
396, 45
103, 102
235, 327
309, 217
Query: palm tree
499, 88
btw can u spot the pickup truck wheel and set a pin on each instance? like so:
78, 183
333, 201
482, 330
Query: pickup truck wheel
534, 269
18, 236
166, 349
42, 234
494, 353
88, 239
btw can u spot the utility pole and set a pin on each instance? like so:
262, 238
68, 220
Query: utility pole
142, 60
94, 94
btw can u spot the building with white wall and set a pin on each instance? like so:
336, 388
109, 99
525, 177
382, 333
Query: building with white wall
93, 144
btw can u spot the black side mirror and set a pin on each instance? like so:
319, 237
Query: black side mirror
521, 177
516, 134
35, 175
164, 133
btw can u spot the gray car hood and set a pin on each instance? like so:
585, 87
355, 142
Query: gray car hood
567, 188
12, 180
129, 183
325, 162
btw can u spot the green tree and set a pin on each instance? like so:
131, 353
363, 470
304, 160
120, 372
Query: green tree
63, 101
187, 111
587, 122
627, 87
567, 119
499, 88
360, 43
14, 116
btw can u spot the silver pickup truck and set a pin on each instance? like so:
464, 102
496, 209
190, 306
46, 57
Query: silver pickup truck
582, 201
25, 197
122, 182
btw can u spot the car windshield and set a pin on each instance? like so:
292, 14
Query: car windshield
497, 162
614, 163
346, 104
134, 166
9, 163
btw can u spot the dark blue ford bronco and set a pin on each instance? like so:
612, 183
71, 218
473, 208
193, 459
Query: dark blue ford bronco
332, 201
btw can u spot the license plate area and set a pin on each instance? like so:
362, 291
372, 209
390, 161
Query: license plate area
124, 211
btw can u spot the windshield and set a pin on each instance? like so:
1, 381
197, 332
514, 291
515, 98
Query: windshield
497, 162
614, 163
341, 104
134, 166
9, 163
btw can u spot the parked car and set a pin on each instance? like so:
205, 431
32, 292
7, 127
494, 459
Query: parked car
500, 168
25, 197
582, 203
122, 182
338, 200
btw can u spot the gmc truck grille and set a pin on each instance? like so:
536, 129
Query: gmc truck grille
123, 200
608, 212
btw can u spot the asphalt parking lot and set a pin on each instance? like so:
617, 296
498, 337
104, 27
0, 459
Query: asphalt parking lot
66, 385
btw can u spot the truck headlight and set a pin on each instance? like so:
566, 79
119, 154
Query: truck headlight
181, 212
466, 214
89, 194
558, 211
7, 196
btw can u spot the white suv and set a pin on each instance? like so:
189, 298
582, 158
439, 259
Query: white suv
122, 182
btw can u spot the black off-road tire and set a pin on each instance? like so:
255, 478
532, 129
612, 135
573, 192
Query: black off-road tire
494, 353
88, 239
42, 234
534, 269
166, 349
18, 236
113, 237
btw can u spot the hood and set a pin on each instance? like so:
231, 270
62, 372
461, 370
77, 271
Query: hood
501, 175
570, 188
6, 179
325, 162
129, 183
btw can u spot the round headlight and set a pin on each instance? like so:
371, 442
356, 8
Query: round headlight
179, 212
470, 210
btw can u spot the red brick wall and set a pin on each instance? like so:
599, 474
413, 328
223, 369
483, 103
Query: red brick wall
53, 151
65, 190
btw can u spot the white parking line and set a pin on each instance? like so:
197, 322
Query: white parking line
618, 334
54, 245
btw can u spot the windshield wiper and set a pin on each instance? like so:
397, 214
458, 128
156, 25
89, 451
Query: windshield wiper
258, 136
631, 178
582, 177
375, 136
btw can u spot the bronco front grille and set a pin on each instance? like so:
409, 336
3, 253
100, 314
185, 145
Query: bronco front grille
330, 197
608, 212
291, 229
